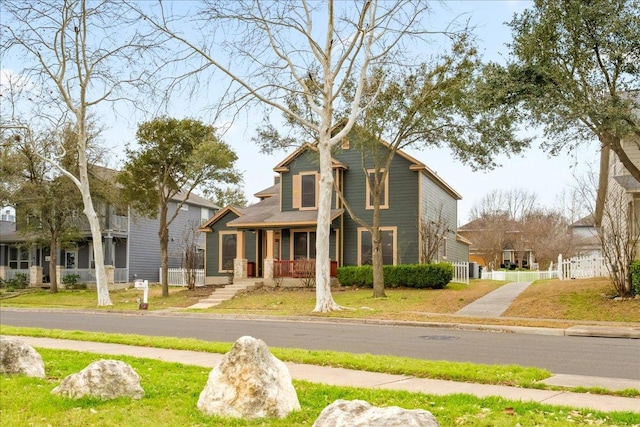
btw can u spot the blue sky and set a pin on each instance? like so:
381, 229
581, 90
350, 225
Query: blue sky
533, 172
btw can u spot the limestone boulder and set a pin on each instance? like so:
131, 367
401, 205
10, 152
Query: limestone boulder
358, 413
19, 358
104, 379
249, 382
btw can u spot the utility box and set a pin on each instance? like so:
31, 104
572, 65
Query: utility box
474, 271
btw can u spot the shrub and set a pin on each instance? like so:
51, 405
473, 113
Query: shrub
70, 281
635, 277
19, 281
435, 276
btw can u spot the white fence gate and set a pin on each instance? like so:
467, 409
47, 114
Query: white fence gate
460, 272
582, 267
178, 276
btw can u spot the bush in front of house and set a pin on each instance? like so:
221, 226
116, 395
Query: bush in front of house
434, 275
70, 282
635, 277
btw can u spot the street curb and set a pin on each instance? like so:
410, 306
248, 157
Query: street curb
603, 331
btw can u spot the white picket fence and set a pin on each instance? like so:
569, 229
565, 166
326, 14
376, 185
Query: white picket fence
460, 272
519, 276
582, 267
566, 269
178, 276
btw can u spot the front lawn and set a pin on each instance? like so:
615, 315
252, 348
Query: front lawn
172, 391
578, 299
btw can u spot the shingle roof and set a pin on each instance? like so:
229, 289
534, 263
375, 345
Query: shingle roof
267, 214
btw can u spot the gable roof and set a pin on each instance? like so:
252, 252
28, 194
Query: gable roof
266, 214
416, 165
222, 212
274, 190
283, 165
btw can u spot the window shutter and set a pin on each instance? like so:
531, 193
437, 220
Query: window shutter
295, 197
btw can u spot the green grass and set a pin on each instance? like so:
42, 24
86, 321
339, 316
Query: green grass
172, 391
125, 299
512, 375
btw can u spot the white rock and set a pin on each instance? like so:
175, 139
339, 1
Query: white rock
249, 382
358, 413
18, 357
104, 379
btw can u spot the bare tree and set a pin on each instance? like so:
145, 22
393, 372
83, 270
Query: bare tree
547, 235
432, 233
514, 203
489, 234
619, 236
80, 55
192, 257
280, 49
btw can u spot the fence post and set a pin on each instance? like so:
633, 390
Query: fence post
560, 275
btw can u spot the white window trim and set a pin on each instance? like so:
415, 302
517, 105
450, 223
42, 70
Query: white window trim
395, 242
369, 200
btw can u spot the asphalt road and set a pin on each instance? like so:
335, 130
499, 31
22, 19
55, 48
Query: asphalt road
603, 357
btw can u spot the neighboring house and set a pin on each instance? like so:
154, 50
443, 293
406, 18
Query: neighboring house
585, 237
279, 232
130, 243
621, 179
496, 242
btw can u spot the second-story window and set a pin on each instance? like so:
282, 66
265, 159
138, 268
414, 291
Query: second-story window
305, 190
308, 191
384, 204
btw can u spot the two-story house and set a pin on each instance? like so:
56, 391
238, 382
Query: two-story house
130, 243
279, 230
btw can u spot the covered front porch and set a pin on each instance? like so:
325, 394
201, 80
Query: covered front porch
277, 254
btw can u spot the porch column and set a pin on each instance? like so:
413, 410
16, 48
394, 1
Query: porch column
267, 265
3, 272
59, 275
240, 262
35, 275
108, 249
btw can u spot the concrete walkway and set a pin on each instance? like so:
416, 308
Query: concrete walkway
351, 378
496, 302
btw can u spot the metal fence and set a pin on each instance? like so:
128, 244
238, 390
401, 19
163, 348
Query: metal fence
178, 276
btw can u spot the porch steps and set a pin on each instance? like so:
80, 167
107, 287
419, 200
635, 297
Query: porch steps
227, 292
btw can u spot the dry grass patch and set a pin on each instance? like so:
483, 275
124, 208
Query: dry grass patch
399, 304
579, 299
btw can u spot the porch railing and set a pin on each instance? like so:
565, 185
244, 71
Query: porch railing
294, 268
178, 276
10, 273
88, 275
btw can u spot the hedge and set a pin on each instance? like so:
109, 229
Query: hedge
434, 276
635, 277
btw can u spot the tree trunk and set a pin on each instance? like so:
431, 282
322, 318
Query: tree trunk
376, 244
53, 260
324, 299
163, 233
102, 285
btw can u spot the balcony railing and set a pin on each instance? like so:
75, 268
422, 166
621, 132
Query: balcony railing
117, 223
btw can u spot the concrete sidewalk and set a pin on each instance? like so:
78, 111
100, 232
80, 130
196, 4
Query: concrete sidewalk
496, 302
345, 377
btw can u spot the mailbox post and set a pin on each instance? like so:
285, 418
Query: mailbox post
144, 285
